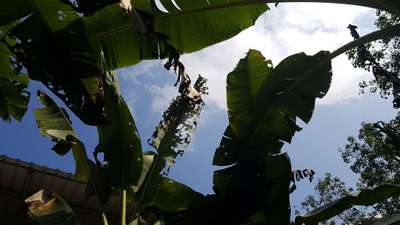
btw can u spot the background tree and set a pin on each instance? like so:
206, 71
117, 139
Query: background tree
327, 190
385, 54
373, 155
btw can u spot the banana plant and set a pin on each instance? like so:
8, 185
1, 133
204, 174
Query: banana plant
125, 168
264, 103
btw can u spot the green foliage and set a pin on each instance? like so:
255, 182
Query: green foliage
373, 156
14, 97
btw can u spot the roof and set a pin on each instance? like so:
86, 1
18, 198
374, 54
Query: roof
19, 180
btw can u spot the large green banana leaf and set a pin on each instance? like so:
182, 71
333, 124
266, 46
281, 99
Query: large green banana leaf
119, 139
363, 198
54, 122
263, 105
14, 97
174, 196
196, 25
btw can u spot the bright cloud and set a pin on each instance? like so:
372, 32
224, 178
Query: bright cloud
283, 31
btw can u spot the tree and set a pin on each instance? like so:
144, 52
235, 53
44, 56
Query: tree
382, 58
374, 156
327, 190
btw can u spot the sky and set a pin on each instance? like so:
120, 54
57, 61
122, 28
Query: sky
282, 31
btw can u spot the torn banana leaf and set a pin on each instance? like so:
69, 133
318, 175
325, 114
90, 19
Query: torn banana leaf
174, 133
47, 208
55, 123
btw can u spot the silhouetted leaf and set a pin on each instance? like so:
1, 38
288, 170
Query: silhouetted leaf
263, 102
363, 198
119, 140
174, 133
386, 220
174, 196
263, 105
98, 184
14, 98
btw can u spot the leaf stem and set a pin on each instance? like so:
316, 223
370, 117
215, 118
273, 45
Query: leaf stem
105, 222
388, 32
366, 3
123, 210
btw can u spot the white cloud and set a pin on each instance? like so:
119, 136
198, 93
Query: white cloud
283, 31
162, 96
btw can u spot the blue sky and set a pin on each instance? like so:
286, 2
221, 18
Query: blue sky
285, 30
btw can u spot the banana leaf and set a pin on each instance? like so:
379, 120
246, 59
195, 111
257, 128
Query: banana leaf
14, 97
55, 123
174, 196
386, 220
196, 25
365, 197
119, 140
264, 102
172, 136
